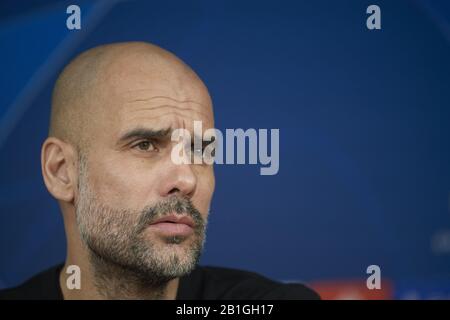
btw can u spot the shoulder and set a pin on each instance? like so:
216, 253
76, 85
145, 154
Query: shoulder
224, 283
42, 286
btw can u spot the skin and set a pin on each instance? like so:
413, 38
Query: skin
100, 95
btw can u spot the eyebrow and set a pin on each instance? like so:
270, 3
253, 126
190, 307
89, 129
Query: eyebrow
144, 133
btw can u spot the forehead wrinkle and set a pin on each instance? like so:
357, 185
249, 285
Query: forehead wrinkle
171, 107
162, 97
175, 113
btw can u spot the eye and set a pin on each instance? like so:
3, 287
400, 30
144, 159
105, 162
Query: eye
197, 150
145, 145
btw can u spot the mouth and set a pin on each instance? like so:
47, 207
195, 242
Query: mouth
173, 225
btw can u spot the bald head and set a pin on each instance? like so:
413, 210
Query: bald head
98, 82
108, 161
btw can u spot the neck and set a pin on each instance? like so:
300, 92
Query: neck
102, 279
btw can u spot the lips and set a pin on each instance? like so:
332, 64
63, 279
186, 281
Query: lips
176, 219
174, 225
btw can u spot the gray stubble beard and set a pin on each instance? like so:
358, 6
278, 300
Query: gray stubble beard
125, 263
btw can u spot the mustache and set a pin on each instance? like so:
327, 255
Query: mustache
175, 205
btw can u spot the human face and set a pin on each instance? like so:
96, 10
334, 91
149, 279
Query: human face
128, 181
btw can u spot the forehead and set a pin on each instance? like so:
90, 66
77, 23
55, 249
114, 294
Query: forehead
147, 91
156, 102
168, 110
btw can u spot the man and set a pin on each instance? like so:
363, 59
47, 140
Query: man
135, 221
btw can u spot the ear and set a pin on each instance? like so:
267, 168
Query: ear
58, 169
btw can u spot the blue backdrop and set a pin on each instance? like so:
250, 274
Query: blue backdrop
364, 125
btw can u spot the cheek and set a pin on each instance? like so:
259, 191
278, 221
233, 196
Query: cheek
123, 186
205, 190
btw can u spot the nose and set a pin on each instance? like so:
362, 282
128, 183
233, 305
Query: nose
179, 179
